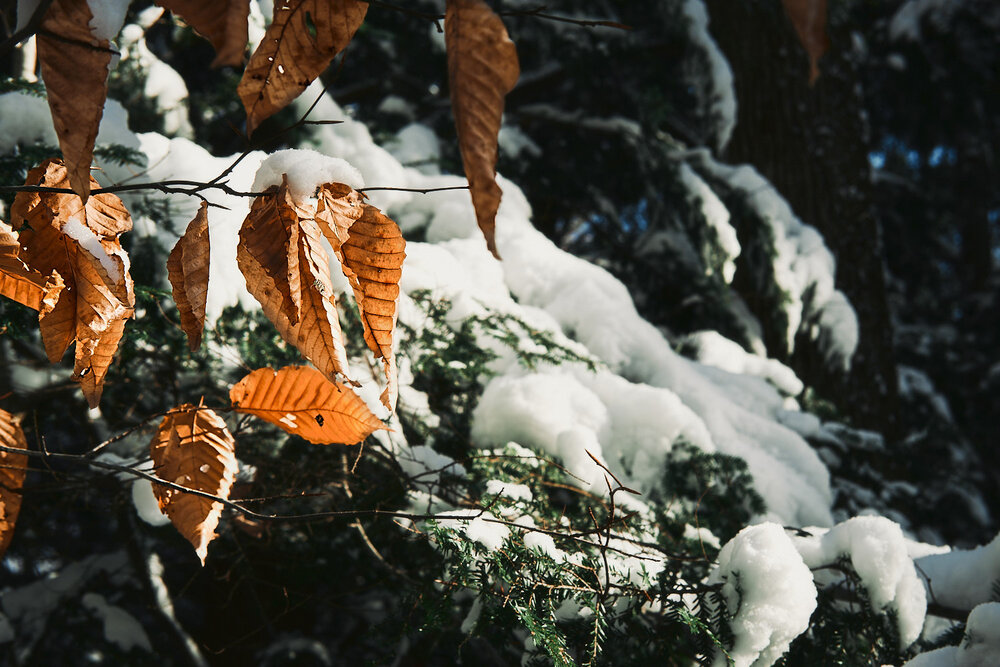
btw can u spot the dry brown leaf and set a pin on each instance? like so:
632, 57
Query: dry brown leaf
371, 250
809, 19
316, 331
80, 242
269, 236
20, 282
303, 38
187, 270
75, 70
304, 403
194, 449
13, 469
482, 69
222, 22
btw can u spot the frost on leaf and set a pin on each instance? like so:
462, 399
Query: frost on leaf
371, 250
20, 282
287, 270
809, 19
194, 449
80, 242
303, 38
75, 70
13, 469
222, 22
187, 269
482, 69
304, 403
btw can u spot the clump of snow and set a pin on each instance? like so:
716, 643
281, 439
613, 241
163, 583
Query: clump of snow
478, 526
879, 555
980, 646
108, 17
906, 22
769, 594
306, 171
88, 241
425, 466
961, 579
803, 266
497, 487
513, 141
120, 627
145, 503
701, 535
713, 349
416, 144
720, 78
163, 85
24, 119
716, 215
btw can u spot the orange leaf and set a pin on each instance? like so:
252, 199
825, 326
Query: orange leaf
19, 282
222, 22
194, 449
298, 45
482, 69
304, 403
274, 232
187, 270
809, 19
80, 242
13, 469
75, 70
371, 250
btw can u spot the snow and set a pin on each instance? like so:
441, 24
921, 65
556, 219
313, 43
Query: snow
89, 242
769, 594
961, 579
980, 647
416, 143
804, 268
163, 85
720, 79
25, 10
879, 554
703, 535
906, 22
520, 492
306, 171
477, 525
33, 121
712, 349
108, 17
120, 627
716, 215
145, 503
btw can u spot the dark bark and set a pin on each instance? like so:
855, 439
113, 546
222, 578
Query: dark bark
810, 142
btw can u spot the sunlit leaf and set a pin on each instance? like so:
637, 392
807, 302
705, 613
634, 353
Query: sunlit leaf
304, 403
222, 22
13, 469
194, 449
187, 270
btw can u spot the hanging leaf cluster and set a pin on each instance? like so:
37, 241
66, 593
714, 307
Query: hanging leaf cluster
61, 253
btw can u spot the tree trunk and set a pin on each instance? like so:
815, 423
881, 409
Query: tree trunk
810, 142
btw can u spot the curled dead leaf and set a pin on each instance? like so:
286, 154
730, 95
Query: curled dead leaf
371, 250
281, 255
13, 470
222, 22
809, 19
194, 449
303, 38
74, 67
482, 69
79, 242
302, 402
20, 282
187, 270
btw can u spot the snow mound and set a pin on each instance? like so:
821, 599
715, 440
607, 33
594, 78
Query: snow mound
769, 594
